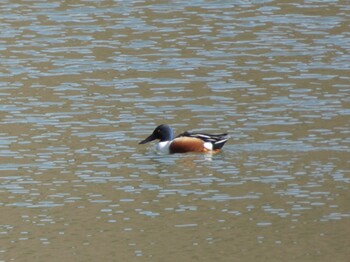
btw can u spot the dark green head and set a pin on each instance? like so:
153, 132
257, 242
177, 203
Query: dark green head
162, 132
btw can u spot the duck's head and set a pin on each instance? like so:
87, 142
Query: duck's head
162, 132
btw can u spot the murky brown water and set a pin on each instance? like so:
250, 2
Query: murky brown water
82, 82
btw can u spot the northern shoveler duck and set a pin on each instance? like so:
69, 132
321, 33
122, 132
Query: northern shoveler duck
185, 142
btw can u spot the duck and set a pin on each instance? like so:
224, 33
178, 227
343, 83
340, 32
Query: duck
186, 141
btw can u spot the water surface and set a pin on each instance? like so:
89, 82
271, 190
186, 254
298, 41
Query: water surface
83, 82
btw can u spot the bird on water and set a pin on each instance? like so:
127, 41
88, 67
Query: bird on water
185, 142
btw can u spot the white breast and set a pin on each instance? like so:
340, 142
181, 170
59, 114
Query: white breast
163, 147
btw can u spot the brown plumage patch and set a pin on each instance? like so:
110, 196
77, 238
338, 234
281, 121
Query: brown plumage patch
187, 144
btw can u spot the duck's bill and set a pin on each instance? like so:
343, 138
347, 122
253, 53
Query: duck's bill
148, 139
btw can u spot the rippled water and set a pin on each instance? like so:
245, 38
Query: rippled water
83, 82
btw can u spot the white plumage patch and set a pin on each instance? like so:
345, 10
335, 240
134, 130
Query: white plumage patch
163, 147
221, 141
208, 145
